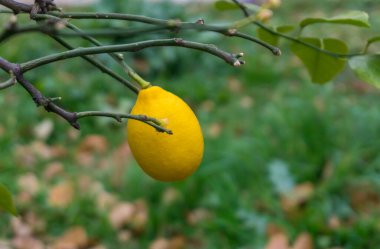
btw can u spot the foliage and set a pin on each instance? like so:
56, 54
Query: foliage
324, 58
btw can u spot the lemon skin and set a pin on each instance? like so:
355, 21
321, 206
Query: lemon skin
162, 156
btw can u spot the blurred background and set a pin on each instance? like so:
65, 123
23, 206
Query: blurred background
288, 164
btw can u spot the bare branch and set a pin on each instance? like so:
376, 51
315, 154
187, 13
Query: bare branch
9, 82
100, 66
133, 47
119, 116
16, 7
70, 117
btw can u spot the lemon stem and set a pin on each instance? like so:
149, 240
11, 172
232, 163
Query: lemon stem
139, 80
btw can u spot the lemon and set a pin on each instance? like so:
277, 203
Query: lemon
162, 156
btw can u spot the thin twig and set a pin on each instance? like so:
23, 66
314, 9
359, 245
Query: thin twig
174, 25
9, 82
246, 13
16, 7
70, 117
117, 57
119, 116
230, 58
100, 66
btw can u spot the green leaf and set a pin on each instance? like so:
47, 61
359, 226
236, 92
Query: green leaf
271, 38
6, 201
223, 5
367, 68
285, 28
321, 66
355, 18
267, 36
374, 39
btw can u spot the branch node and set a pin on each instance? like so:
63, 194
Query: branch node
178, 40
237, 63
239, 55
9, 82
276, 51
232, 31
55, 99
200, 21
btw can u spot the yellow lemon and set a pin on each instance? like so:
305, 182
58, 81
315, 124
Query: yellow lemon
162, 156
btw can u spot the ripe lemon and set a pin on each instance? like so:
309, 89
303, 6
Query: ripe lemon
162, 156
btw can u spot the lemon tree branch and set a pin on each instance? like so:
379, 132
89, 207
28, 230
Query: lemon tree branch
293, 39
119, 116
232, 59
99, 65
71, 117
47, 28
9, 82
174, 25
117, 57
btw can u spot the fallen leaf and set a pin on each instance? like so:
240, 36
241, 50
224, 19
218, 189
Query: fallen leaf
303, 241
25, 156
85, 159
4, 244
234, 85
208, 105
364, 198
121, 214
290, 201
177, 242
93, 144
74, 238
197, 216
170, 196
27, 243
124, 236
105, 201
20, 228
41, 150
58, 151
246, 102
278, 241
29, 183
140, 217
23, 198
273, 229
36, 223
334, 222
161, 243
73, 134
52, 170
61, 195
43, 129
214, 130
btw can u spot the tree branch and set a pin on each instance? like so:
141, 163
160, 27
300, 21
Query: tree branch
37, 96
246, 13
174, 25
15, 29
100, 66
70, 117
119, 116
16, 7
9, 82
230, 58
